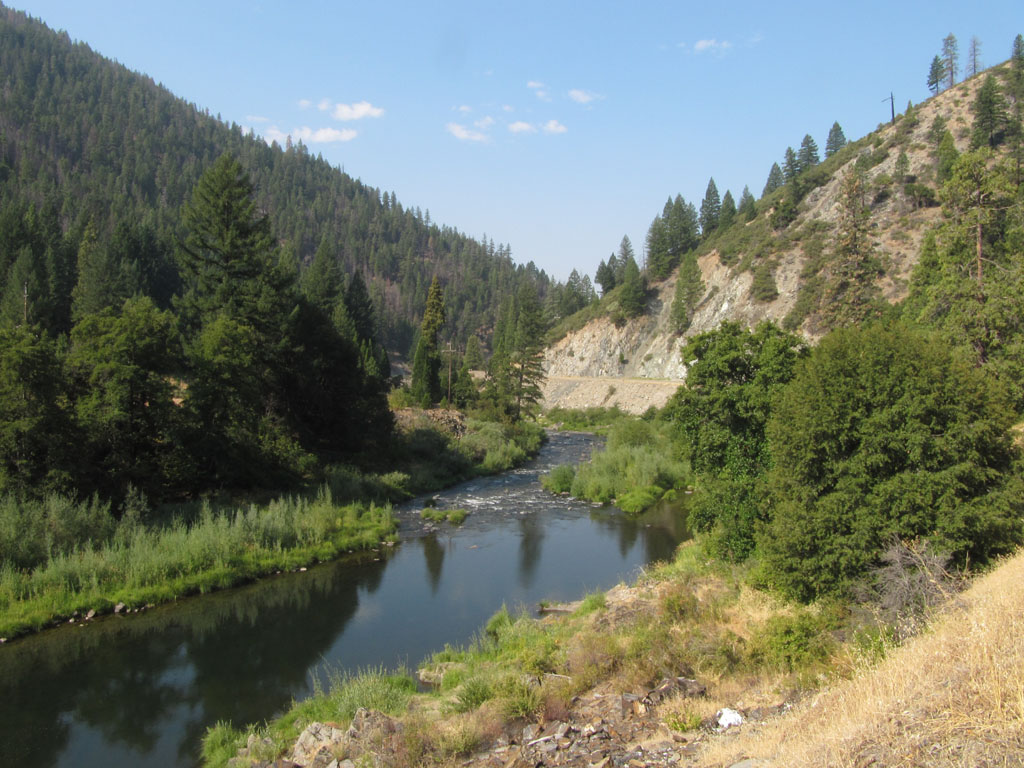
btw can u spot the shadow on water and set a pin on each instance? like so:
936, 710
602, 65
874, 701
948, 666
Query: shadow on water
141, 690
237, 655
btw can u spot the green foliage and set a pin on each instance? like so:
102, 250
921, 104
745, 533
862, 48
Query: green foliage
763, 287
885, 433
559, 479
719, 420
689, 291
990, 115
633, 294
836, 140
637, 467
426, 363
710, 210
794, 643
595, 601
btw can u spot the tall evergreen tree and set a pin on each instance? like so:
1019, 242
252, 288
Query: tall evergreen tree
426, 364
710, 209
101, 282
936, 74
836, 140
747, 208
950, 58
728, 212
605, 275
1017, 66
689, 290
790, 165
990, 115
807, 157
973, 64
775, 180
633, 297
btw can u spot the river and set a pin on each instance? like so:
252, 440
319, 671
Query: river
141, 690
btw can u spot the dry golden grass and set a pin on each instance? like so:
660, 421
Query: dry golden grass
953, 696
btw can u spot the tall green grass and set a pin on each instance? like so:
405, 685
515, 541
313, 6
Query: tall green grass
137, 565
636, 469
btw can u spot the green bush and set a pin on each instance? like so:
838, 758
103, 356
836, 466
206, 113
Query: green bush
792, 643
559, 479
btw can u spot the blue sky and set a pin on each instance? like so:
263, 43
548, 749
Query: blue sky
555, 127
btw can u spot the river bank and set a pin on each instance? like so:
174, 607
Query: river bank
685, 667
129, 564
141, 690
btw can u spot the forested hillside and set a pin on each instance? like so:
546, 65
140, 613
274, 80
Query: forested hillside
92, 154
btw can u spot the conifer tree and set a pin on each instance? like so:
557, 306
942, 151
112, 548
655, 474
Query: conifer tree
790, 165
747, 208
101, 282
836, 140
775, 180
807, 158
936, 74
632, 299
710, 210
728, 212
973, 64
689, 290
950, 58
990, 115
1017, 66
426, 365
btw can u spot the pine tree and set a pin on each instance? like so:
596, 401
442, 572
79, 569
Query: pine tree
605, 276
945, 156
790, 165
101, 282
321, 283
473, 358
990, 115
747, 208
426, 366
1017, 66
807, 158
973, 64
528, 352
689, 290
775, 180
936, 74
632, 297
728, 212
836, 140
710, 210
950, 58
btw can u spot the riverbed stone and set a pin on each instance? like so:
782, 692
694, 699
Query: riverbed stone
312, 739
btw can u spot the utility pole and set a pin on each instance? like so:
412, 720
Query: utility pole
892, 106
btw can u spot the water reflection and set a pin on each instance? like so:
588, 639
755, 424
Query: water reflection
141, 690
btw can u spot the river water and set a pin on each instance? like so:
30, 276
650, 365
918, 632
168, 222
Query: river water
140, 690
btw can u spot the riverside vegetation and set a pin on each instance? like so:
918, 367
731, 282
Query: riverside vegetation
843, 494
64, 558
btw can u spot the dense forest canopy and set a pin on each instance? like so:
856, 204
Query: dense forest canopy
93, 155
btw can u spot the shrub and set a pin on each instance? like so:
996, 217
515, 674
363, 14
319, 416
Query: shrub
559, 479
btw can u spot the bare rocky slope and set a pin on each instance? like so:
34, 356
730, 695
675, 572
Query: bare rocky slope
584, 364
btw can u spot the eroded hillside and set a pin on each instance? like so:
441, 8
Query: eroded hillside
797, 259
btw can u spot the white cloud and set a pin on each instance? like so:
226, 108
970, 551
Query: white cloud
356, 111
508, 108
324, 135
520, 127
257, 119
582, 97
539, 89
484, 123
309, 135
553, 126
305, 103
324, 105
462, 133
713, 45
464, 108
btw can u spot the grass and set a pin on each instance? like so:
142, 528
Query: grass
636, 469
140, 565
958, 689
62, 556
951, 696
453, 516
